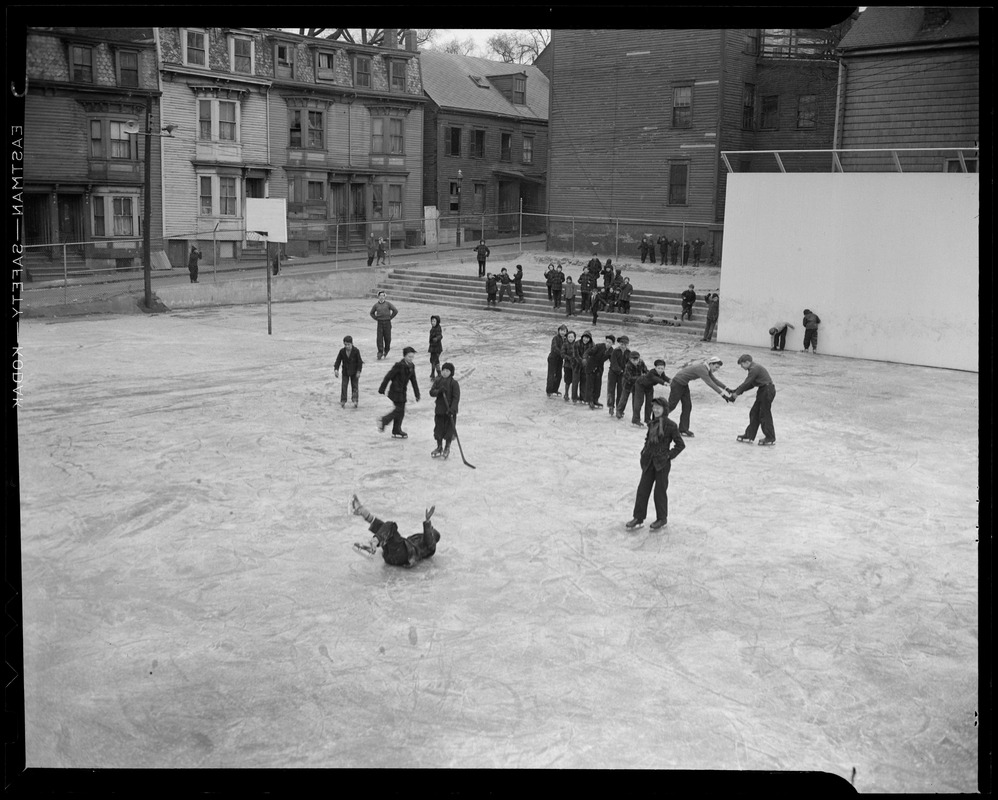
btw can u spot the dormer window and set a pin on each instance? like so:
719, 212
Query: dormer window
519, 91
241, 55
362, 72
480, 82
82, 60
284, 59
195, 48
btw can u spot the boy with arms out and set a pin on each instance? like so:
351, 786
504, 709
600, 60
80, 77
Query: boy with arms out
398, 377
761, 412
680, 388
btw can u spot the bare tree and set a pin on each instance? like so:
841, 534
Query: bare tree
519, 46
369, 36
467, 47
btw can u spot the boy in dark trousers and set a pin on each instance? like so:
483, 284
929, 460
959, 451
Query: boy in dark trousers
662, 444
436, 345
448, 393
592, 362
680, 388
761, 412
811, 323
571, 361
619, 357
396, 550
557, 282
398, 378
643, 247
713, 311
594, 266
644, 392
779, 334
555, 361
383, 313
549, 280
625, 296
689, 298
633, 370
505, 285
585, 288
491, 286
483, 252
192, 263
349, 358
518, 283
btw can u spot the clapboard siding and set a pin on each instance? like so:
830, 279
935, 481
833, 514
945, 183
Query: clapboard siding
180, 189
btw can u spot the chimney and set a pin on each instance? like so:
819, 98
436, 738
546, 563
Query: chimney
410, 40
391, 40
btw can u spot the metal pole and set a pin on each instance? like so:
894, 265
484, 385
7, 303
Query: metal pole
147, 209
521, 224
616, 240
573, 237
436, 229
214, 252
337, 262
266, 266
65, 277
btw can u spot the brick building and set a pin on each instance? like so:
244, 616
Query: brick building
83, 169
485, 144
639, 119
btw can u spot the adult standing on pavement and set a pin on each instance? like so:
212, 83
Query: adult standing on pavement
761, 412
192, 263
483, 253
383, 313
381, 252
698, 244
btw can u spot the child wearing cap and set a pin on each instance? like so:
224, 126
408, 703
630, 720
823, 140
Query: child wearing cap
644, 392
761, 412
680, 388
436, 345
634, 369
491, 287
349, 358
448, 393
398, 378
555, 361
662, 444
619, 357
592, 362
569, 358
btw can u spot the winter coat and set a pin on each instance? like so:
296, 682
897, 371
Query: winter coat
811, 322
660, 453
483, 252
618, 360
569, 354
492, 285
689, 297
569, 291
448, 394
352, 364
557, 344
596, 356
625, 291
634, 371
436, 339
397, 379
557, 280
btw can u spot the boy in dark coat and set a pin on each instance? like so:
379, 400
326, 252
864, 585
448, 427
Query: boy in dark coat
585, 288
349, 358
555, 361
761, 412
662, 444
192, 263
436, 345
663, 247
491, 286
608, 273
396, 550
549, 280
372, 250
557, 282
689, 298
398, 378
644, 392
381, 252
505, 285
674, 251
713, 311
569, 361
448, 393
643, 247
633, 370
811, 323
619, 357
594, 266
592, 362
483, 252
625, 296
518, 283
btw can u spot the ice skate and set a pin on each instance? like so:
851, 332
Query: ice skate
343, 405
745, 439
767, 442
354, 403
437, 453
446, 453
381, 425
687, 433
634, 524
638, 424
400, 435
659, 523
367, 549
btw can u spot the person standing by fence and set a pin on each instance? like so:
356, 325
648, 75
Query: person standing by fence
192, 263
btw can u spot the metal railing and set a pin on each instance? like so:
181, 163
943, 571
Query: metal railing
862, 159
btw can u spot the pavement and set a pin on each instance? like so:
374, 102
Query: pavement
192, 599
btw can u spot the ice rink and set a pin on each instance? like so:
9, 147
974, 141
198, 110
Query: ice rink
192, 598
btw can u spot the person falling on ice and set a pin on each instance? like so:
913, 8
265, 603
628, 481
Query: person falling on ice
398, 551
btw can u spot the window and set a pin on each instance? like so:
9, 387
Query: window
99, 226
505, 147
306, 129
395, 201
204, 119
227, 196
195, 52
284, 60
452, 146
316, 140
748, 107
241, 55
121, 141
519, 91
227, 121
770, 114
378, 201
752, 42
326, 62
678, 177
528, 149
478, 144
396, 135
205, 195
96, 139
396, 71
378, 135
455, 197
294, 137
123, 221
682, 106
807, 111
478, 206
315, 190
362, 72
128, 68
82, 63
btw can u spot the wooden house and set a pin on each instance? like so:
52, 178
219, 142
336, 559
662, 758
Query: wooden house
84, 179
485, 145
910, 78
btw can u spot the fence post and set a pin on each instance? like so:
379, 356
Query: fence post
521, 225
65, 276
616, 240
573, 237
336, 257
436, 229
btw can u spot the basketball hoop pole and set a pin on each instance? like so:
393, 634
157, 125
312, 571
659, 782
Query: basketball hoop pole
266, 266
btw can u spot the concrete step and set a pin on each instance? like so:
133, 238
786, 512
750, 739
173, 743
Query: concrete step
540, 307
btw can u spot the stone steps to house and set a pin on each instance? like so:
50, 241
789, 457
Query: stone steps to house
647, 307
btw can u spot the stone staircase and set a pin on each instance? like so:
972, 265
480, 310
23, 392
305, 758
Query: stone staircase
468, 291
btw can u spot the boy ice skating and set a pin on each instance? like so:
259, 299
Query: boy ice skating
383, 313
662, 444
436, 345
396, 550
644, 392
761, 412
592, 362
811, 323
399, 376
448, 393
633, 370
680, 388
349, 358
555, 361
619, 357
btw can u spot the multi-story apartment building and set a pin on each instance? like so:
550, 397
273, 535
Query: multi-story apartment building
485, 144
910, 78
85, 120
335, 128
639, 119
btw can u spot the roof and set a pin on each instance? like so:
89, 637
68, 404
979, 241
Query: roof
903, 26
448, 81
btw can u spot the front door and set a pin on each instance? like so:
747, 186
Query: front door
71, 220
339, 208
37, 222
358, 211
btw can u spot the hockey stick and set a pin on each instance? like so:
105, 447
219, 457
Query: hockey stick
453, 426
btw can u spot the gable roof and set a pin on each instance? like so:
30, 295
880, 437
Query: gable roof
903, 26
448, 80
